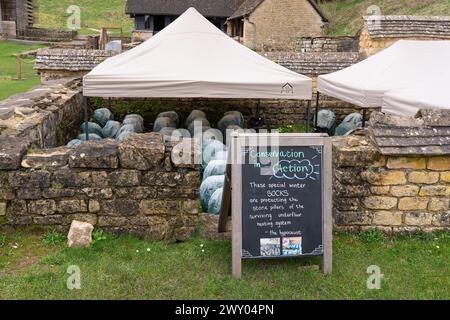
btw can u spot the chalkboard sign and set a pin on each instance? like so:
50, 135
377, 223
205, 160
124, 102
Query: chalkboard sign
281, 200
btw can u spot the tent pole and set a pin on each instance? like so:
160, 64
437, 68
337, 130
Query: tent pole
308, 116
317, 109
86, 118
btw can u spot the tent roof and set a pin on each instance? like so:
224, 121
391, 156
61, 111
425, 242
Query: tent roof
192, 58
404, 65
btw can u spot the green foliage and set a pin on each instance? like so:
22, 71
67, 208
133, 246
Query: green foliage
99, 236
53, 238
295, 128
126, 267
371, 236
94, 15
2, 240
346, 15
8, 69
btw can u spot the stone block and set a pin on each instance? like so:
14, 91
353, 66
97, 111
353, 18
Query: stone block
436, 190
347, 191
438, 204
384, 178
42, 207
191, 206
83, 217
445, 177
404, 191
380, 202
423, 177
348, 175
119, 207
142, 151
67, 178
100, 179
48, 220
6, 194
98, 193
418, 218
186, 154
3, 208
56, 192
137, 193
415, 163
380, 190
29, 179
125, 178
111, 221
17, 208
160, 207
347, 204
101, 154
50, 158
29, 194
72, 206
345, 218
344, 156
80, 234
184, 233
94, 206
12, 150
441, 219
387, 218
413, 203
439, 163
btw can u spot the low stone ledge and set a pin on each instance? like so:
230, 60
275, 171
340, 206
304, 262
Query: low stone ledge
96, 155
47, 158
142, 151
12, 150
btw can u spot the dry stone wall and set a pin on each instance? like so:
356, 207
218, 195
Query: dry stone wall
390, 193
131, 187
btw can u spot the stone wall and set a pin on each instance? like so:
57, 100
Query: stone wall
50, 35
275, 112
279, 23
328, 44
390, 193
132, 187
47, 115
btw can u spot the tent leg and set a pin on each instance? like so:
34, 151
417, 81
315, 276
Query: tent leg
308, 116
364, 119
317, 109
86, 117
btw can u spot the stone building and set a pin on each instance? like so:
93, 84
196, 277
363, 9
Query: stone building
151, 16
380, 32
275, 25
54, 64
16, 16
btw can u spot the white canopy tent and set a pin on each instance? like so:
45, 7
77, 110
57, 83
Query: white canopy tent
192, 58
396, 78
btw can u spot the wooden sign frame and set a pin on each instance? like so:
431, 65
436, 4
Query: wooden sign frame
241, 140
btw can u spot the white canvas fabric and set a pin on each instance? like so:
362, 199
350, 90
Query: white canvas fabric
428, 95
192, 58
393, 77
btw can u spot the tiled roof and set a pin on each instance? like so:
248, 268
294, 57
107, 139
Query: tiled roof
426, 134
250, 5
209, 8
314, 63
69, 59
437, 27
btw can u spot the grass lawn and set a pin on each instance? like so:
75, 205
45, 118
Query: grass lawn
94, 14
346, 15
128, 268
8, 69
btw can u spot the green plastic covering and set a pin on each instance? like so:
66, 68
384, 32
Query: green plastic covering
92, 137
163, 122
208, 187
74, 143
215, 202
215, 168
93, 128
111, 129
102, 116
172, 115
193, 115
